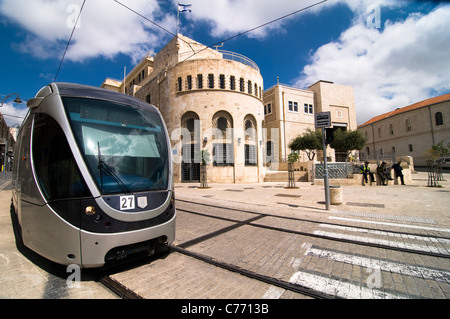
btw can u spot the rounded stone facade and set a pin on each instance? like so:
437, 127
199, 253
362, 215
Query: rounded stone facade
219, 109
211, 101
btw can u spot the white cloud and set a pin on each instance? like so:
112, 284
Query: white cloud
13, 115
105, 27
390, 67
230, 17
401, 64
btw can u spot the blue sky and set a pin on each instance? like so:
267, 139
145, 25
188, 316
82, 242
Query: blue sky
393, 53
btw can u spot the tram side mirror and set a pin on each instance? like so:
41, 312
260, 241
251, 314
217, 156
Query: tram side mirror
32, 103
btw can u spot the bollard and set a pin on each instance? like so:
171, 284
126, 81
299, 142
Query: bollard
336, 196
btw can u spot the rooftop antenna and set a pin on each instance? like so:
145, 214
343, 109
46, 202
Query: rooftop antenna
218, 46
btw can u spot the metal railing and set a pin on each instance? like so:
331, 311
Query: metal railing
226, 55
233, 56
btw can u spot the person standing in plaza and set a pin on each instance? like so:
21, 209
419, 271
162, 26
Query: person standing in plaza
398, 171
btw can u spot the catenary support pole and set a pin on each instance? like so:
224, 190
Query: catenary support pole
325, 172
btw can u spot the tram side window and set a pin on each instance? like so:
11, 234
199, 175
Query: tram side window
56, 169
22, 153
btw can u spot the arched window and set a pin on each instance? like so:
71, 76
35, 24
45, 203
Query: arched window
223, 154
188, 121
439, 119
408, 125
222, 121
190, 151
190, 124
222, 124
250, 140
250, 129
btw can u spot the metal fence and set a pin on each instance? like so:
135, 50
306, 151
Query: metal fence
388, 157
335, 170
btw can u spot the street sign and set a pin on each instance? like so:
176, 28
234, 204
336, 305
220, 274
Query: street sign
322, 119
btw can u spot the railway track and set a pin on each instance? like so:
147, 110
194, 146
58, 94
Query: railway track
411, 240
253, 275
113, 285
438, 251
298, 254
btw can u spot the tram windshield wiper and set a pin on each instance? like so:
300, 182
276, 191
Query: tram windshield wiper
104, 168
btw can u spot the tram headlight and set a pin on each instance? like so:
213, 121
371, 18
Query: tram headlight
89, 210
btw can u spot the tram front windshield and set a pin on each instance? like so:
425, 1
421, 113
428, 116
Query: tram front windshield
125, 148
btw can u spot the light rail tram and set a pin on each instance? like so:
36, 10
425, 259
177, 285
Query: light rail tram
92, 176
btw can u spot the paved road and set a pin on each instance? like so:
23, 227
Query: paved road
25, 275
415, 206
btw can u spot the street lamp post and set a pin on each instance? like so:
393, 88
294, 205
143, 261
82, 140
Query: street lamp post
5, 156
16, 100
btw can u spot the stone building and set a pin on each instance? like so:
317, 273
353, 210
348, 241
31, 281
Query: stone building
289, 112
7, 143
408, 131
213, 100
210, 100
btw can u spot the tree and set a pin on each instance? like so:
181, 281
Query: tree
203, 167
434, 153
310, 142
205, 157
292, 158
437, 150
347, 141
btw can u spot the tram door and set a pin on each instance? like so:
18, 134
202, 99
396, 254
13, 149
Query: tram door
190, 168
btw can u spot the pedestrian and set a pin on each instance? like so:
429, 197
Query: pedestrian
365, 170
398, 172
384, 173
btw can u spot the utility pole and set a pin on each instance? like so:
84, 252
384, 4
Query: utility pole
323, 120
325, 172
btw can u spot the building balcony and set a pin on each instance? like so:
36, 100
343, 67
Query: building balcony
233, 56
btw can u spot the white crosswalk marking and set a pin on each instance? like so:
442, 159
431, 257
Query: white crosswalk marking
404, 269
390, 224
383, 242
387, 233
338, 288
345, 289
273, 293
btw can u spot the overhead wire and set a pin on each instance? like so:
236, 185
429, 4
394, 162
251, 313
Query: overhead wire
175, 35
70, 39
270, 22
153, 22
144, 17
230, 38
255, 28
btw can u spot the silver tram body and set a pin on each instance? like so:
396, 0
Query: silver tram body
92, 176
